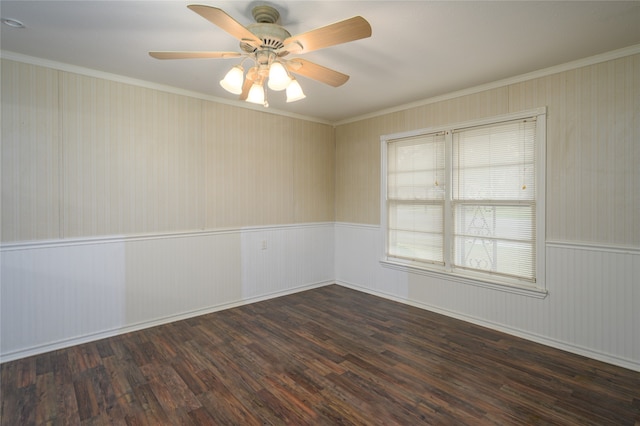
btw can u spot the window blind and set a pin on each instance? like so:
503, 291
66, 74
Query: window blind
416, 195
493, 199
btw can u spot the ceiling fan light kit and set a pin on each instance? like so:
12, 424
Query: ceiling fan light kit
267, 43
279, 78
232, 81
256, 95
294, 91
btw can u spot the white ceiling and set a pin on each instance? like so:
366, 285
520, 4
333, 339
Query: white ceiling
418, 50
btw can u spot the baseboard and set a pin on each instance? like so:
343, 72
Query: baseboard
61, 344
578, 350
631, 365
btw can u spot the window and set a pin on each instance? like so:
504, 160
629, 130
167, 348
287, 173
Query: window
468, 199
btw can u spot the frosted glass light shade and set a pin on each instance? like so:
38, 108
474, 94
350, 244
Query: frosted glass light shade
232, 82
278, 77
294, 91
256, 94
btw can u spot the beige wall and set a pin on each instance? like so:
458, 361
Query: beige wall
83, 156
593, 149
30, 153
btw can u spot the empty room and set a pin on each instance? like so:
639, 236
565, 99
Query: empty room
320, 212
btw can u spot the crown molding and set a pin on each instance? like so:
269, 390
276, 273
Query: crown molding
18, 57
591, 60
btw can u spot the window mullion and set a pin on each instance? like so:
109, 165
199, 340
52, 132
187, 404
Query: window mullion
448, 210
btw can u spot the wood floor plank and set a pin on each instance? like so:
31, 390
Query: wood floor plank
19, 408
86, 398
224, 408
327, 356
25, 372
46, 411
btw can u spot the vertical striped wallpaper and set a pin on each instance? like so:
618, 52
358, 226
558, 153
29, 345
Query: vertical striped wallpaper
593, 150
132, 159
31, 148
593, 129
83, 156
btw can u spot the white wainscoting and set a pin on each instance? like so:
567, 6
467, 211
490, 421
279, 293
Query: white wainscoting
56, 294
60, 293
592, 307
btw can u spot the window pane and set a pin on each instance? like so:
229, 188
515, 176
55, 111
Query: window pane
416, 185
415, 168
416, 217
495, 221
495, 162
496, 256
416, 246
495, 238
416, 231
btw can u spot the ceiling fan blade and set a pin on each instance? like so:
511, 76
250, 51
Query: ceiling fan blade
194, 55
345, 31
250, 78
220, 18
317, 72
246, 86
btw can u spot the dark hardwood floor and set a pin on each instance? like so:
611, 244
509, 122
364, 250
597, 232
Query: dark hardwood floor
321, 357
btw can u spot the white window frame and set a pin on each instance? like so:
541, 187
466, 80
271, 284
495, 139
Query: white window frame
535, 289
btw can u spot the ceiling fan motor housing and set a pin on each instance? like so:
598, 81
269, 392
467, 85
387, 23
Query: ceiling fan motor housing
272, 36
267, 29
265, 14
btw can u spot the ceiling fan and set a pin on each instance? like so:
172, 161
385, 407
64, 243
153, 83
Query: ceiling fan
267, 44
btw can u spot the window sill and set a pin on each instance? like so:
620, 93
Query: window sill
523, 290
